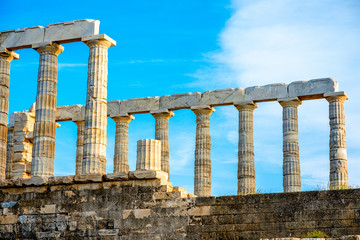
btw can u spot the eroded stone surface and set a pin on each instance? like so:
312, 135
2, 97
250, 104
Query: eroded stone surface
222, 96
268, 92
139, 105
179, 101
311, 89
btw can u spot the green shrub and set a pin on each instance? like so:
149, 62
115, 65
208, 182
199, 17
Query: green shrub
316, 234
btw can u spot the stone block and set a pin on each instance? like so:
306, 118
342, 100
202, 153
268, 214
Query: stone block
113, 108
9, 219
70, 113
116, 176
139, 105
35, 181
312, 89
48, 209
71, 31
108, 232
61, 180
179, 101
88, 178
148, 174
21, 38
266, 93
222, 96
199, 211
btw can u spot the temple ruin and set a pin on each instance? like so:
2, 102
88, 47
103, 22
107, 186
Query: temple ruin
28, 152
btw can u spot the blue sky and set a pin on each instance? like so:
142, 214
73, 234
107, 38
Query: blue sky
167, 47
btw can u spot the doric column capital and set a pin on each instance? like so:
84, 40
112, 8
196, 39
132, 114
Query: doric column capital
245, 105
290, 102
8, 55
101, 40
162, 114
123, 119
48, 48
339, 96
203, 110
79, 122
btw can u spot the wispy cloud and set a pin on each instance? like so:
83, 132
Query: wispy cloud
284, 41
71, 65
144, 61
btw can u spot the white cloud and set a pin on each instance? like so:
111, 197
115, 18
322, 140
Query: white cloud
284, 41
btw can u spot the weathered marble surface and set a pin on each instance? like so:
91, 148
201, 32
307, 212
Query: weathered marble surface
71, 31
59, 32
148, 155
180, 100
222, 96
138, 105
312, 89
268, 92
305, 90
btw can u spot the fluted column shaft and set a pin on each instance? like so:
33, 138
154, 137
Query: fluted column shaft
162, 134
337, 143
202, 181
291, 160
96, 108
45, 125
9, 152
5, 58
79, 146
246, 165
121, 153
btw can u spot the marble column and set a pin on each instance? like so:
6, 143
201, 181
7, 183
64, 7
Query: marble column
94, 159
148, 155
162, 134
337, 143
6, 57
79, 146
45, 125
9, 152
202, 179
246, 165
121, 153
291, 160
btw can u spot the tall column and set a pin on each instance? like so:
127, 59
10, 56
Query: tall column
9, 152
45, 125
246, 165
96, 105
121, 153
202, 181
162, 134
337, 143
79, 146
291, 160
6, 57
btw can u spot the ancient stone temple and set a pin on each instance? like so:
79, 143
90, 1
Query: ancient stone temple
141, 203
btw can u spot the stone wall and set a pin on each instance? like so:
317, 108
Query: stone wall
134, 208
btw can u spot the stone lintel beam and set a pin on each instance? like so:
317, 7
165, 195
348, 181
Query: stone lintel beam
291, 160
337, 142
202, 175
121, 152
162, 133
246, 155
